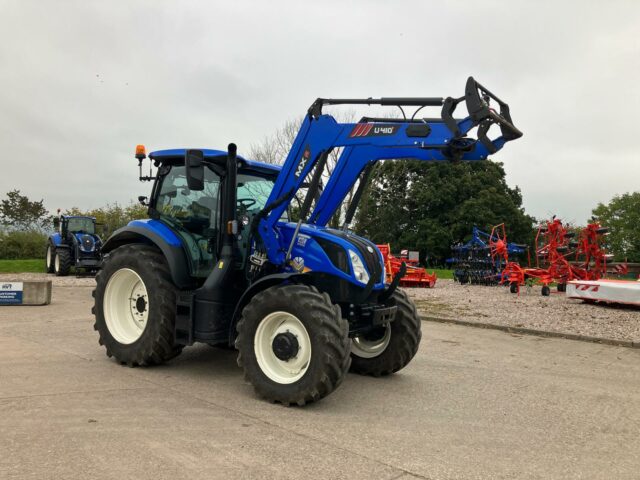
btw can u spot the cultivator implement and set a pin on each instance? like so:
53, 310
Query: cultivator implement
473, 262
414, 276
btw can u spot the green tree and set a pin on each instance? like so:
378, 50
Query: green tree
622, 216
17, 212
430, 206
112, 216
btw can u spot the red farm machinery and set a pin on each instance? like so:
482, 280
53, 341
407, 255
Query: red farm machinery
415, 276
562, 255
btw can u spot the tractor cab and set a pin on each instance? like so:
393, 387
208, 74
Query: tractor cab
195, 215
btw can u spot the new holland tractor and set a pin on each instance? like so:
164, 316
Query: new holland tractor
219, 261
74, 244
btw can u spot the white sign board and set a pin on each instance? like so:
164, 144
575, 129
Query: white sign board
11, 293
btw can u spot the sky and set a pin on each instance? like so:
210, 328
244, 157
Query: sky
83, 82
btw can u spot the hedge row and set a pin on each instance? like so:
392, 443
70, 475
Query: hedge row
24, 244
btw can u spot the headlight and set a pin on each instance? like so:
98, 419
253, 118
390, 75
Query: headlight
358, 267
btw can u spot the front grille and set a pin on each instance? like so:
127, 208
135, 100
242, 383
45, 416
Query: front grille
87, 243
372, 259
336, 254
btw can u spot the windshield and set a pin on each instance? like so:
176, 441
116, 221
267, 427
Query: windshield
253, 192
81, 225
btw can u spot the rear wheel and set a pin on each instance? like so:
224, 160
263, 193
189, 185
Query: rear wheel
293, 344
389, 348
49, 259
62, 262
135, 306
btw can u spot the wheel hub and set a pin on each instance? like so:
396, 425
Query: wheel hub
141, 304
371, 344
126, 306
285, 346
282, 347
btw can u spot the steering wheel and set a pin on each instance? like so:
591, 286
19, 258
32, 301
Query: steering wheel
245, 203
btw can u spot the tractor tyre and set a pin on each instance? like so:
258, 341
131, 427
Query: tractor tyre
135, 306
50, 258
62, 262
389, 348
546, 291
293, 344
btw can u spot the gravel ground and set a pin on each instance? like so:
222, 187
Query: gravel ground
70, 281
493, 305
530, 309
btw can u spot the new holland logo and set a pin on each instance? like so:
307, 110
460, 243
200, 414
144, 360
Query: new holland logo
372, 130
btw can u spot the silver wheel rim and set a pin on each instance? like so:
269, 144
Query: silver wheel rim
126, 306
49, 257
280, 371
56, 263
364, 348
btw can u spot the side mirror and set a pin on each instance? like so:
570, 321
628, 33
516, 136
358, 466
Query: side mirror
142, 200
195, 169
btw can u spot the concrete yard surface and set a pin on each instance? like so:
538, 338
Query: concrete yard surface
474, 404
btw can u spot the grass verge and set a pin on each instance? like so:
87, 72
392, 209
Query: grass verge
442, 273
22, 266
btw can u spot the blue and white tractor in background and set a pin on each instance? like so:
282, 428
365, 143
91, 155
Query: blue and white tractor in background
219, 260
74, 244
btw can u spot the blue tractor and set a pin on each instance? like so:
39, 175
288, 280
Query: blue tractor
74, 244
219, 260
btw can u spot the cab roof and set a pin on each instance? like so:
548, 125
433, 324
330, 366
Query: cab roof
178, 154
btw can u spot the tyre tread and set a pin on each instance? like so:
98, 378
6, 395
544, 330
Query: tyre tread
158, 347
331, 328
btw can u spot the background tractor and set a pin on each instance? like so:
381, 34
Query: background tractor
220, 262
74, 244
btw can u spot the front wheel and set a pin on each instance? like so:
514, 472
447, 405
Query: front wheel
135, 304
51, 253
62, 262
389, 348
293, 344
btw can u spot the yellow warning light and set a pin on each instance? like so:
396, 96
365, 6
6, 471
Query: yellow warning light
141, 152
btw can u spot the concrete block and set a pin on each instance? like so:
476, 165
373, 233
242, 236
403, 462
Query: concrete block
30, 292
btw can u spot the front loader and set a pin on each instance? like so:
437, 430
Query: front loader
220, 262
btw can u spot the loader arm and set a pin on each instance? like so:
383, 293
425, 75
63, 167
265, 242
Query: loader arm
374, 139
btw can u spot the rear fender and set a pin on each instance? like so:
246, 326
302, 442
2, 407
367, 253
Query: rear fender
139, 232
55, 239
